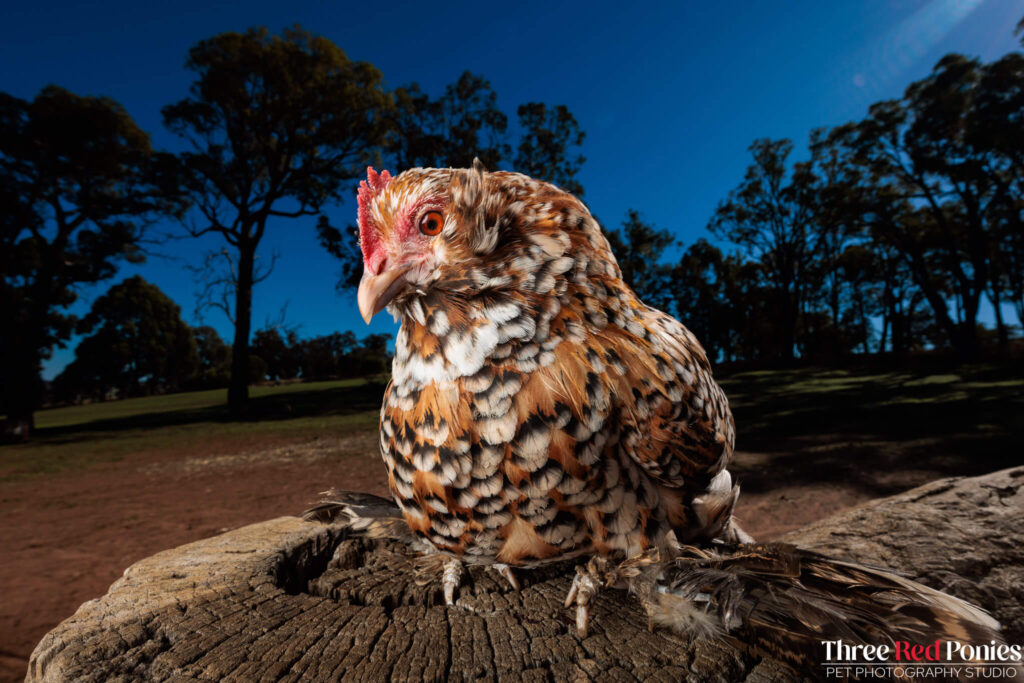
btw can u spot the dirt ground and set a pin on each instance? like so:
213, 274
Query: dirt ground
812, 443
68, 536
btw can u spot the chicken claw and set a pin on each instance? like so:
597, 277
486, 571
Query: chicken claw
585, 585
451, 578
507, 573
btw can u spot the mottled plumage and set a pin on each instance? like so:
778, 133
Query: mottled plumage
538, 409
784, 601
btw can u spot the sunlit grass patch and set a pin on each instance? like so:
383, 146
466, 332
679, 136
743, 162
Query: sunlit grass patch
78, 437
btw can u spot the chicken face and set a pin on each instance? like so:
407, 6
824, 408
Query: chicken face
399, 223
416, 230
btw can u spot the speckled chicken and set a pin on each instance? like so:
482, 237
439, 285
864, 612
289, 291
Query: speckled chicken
538, 410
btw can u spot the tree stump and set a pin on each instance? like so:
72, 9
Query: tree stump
288, 600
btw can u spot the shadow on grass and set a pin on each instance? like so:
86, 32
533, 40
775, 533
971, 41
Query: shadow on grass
331, 401
877, 430
882, 432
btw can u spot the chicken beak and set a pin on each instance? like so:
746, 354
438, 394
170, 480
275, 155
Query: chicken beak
375, 291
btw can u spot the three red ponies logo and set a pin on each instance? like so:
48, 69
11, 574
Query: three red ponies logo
937, 660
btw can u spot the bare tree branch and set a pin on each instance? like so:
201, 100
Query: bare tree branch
218, 279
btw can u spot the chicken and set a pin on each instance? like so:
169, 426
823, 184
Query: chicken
538, 410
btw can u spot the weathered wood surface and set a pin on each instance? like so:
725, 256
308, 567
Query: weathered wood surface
290, 600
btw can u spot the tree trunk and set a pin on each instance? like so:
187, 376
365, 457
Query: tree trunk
238, 389
1004, 335
887, 315
789, 302
834, 293
288, 600
865, 324
17, 427
940, 309
22, 387
966, 342
901, 327
970, 348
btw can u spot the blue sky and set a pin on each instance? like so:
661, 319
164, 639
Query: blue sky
669, 94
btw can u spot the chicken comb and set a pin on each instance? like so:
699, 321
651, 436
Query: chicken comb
368, 189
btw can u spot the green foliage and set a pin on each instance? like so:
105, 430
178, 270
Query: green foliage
466, 123
345, 249
544, 149
449, 131
912, 214
277, 352
136, 344
639, 247
79, 182
338, 354
77, 437
214, 359
997, 124
277, 126
698, 287
272, 118
936, 177
371, 357
768, 216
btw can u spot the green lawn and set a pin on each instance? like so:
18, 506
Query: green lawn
876, 429
174, 403
907, 402
80, 436
811, 424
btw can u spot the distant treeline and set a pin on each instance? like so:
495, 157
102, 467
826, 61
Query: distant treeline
888, 238
273, 127
136, 344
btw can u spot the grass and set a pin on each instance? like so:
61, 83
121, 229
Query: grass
75, 437
877, 430
175, 403
804, 425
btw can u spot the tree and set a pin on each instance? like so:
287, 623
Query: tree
863, 269
371, 357
697, 287
544, 148
280, 353
376, 343
277, 126
346, 250
769, 215
323, 357
214, 358
931, 190
79, 183
996, 125
832, 229
452, 130
638, 248
136, 343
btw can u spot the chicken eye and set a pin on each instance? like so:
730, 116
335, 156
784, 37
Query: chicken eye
431, 223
